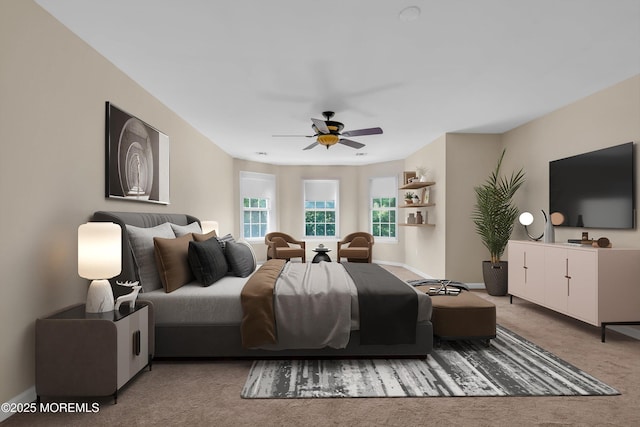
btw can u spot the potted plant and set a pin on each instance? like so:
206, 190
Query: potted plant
408, 197
494, 216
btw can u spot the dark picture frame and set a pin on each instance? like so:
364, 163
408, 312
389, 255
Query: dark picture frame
137, 159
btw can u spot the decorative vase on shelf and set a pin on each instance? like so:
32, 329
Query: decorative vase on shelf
419, 218
411, 219
421, 172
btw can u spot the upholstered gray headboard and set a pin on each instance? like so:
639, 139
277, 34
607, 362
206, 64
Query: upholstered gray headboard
138, 219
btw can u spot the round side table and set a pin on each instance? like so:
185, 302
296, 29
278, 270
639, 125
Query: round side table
321, 255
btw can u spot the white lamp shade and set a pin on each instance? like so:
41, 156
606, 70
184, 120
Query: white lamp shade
209, 226
99, 250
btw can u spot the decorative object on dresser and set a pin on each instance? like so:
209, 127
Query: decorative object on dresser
99, 259
597, 286
494, 215
137, 159
80, 354
526, 219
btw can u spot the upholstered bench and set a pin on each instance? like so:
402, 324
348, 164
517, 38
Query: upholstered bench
462, 317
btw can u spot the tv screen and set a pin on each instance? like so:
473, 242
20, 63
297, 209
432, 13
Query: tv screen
595, 189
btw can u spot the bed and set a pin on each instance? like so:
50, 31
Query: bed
197, 321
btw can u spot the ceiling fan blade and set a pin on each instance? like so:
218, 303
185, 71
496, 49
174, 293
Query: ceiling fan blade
310, 146
320, 125
362, 132
350, 143
294, 136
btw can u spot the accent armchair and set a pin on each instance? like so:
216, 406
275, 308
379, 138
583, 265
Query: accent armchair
278, 246
359, 249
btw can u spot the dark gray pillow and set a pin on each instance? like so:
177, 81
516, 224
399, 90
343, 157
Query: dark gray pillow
207, 261
240, 258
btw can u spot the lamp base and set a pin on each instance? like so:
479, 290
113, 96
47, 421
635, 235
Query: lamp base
99, 297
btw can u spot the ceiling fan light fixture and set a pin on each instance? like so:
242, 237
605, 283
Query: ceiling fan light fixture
328, 139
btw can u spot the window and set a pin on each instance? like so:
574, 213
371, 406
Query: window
255, 219
383, 207
321, 208
257, 204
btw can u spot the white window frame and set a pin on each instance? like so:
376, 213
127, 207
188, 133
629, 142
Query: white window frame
321, 190
383, 187
258, 186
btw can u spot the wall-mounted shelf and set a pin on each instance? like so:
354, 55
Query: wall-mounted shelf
423, 197
417, 205
417, 184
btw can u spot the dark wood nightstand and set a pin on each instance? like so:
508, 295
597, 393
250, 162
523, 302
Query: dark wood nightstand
92, 354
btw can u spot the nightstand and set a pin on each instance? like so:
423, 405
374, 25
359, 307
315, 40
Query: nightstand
92, 354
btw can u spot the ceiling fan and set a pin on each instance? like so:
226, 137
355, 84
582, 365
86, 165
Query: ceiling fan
329, 133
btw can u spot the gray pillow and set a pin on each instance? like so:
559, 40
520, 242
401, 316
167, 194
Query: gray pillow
183, 230
224, 239
207, 261
141, 242
241, 258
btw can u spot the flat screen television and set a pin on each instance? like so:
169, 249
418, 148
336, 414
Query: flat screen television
595, 189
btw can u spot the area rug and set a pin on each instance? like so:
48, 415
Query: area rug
510, 366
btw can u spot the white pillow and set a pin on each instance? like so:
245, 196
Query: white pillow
141, 242
183, 230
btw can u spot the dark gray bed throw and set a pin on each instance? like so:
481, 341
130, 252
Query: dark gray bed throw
388, 307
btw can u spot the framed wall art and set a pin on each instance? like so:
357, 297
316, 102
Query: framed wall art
137, 159
408, 177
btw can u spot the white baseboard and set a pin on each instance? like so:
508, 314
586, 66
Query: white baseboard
27, 396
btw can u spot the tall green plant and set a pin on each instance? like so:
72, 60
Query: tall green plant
494, 214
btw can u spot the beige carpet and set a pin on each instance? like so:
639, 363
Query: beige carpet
208, 392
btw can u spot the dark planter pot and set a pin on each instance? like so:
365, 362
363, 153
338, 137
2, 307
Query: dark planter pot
495, 277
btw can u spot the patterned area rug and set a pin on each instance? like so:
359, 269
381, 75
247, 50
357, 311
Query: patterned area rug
511, 366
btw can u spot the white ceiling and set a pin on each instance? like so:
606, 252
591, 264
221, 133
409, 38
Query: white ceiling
241, 71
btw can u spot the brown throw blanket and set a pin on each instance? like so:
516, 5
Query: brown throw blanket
258, 321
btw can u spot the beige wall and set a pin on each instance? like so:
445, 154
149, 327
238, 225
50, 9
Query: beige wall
52, 119
457, 163
425, 247
606, 118
470, 160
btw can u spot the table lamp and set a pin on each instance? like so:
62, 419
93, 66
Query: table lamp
526, 219
209, 226
99, 259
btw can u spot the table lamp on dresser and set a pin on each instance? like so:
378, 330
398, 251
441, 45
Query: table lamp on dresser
99, 259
